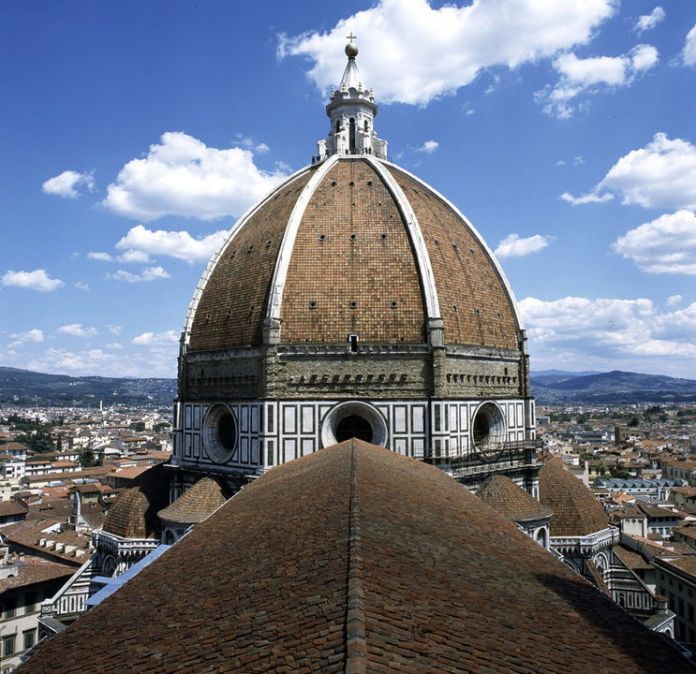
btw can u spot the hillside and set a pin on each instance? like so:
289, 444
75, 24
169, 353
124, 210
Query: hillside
614, 387
23, 387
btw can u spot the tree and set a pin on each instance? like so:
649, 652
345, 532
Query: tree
633, 421
87, 457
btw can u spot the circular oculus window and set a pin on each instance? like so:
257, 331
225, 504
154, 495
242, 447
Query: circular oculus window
220, 434
488, 430
354, 419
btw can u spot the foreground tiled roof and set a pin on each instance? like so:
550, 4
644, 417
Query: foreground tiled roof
576, 512
134, 513
196, 504
356, 559
511, 501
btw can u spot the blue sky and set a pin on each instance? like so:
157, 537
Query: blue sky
133, 134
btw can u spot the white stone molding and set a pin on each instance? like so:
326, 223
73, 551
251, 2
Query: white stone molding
408, 215
280, 273
475, 232
236, 228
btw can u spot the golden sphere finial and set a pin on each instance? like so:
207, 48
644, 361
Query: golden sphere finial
351, 47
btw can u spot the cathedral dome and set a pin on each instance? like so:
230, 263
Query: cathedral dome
353, 245
354, 301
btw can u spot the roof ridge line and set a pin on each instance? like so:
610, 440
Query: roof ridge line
356, 645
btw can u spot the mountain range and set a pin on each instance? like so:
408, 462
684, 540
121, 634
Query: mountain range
23, 387
615, 387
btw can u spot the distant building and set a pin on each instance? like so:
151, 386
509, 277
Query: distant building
658, 489
24, 584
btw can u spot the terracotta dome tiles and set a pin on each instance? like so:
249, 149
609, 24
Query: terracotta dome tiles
352, 269
233, 304
475, 305
511, 501
576, 512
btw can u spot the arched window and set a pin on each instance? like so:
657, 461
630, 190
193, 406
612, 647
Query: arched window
367, 126
338, 125
352, 135
541, 537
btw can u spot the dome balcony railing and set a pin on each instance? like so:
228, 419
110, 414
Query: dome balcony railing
494, 455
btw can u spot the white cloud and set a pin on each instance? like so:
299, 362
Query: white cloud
131, 255
156, 338
101, 256
589, 198
137, 256
513, 246
183, 176
114, 329
147, 274
81, 285
609, 333
101, 362
689, 51
67, 183
33, 280
649, 21
262, 148
180, 245
666, 245
660, 175
34, 336
412, 53
592, 75
77, 330
428, 147
673, 300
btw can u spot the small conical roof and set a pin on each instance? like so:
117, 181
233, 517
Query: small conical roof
511, 501
576, 512
351, 77
196, 504
134, 512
